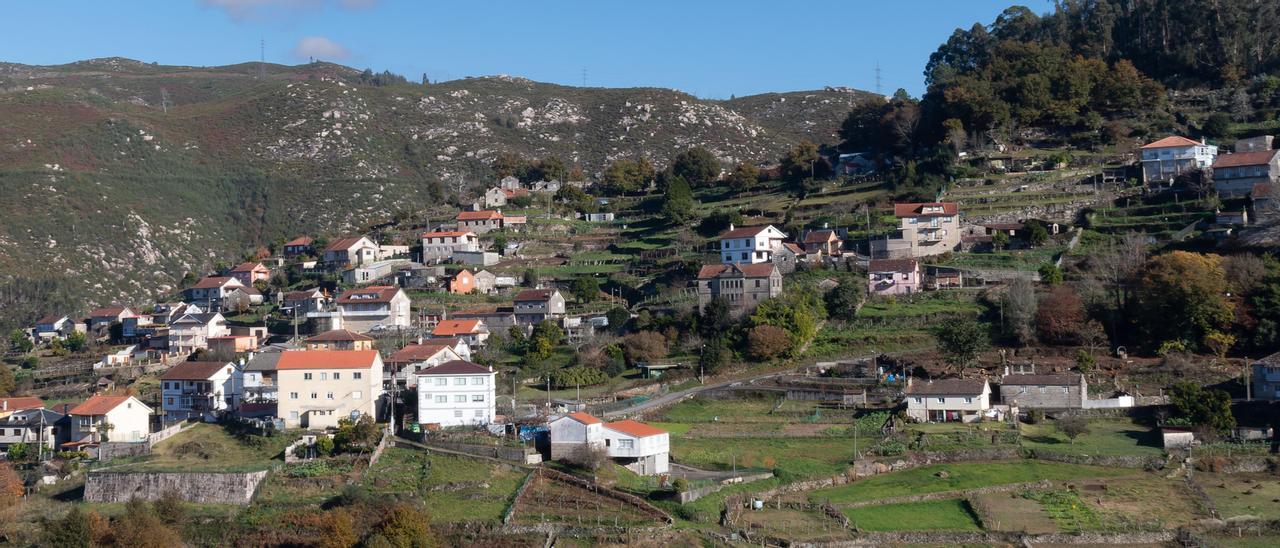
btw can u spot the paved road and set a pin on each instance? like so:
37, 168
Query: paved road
673, 397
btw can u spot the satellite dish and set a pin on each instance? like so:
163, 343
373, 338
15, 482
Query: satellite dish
355, 415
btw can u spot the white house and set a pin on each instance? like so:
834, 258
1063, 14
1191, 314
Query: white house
1165, 159
413, 358
53, 326
194, 389
365, 308
110, 418
751, 245
641, 448
210, 290
441, 245
948, 400
351, 251
474, 332
33, 427
456, 393
192, 332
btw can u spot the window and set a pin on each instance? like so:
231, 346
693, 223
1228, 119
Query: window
293, 415
477, 397
919, 400
306, 376
324, 376
457, 414
357, 375
942, 400
1044, 389
357, 395
336, 376
479, 413
328, 395
293, 395
478, 381
168, 401
968, 400
459, 399
441, 381
459, 381
626, 444
313, 395
442, 399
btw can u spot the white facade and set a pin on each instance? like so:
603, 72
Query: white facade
741, 246
316, 388
942, 402
453, 395
128, 417
442, 245
220, 389
192, 331
639, 447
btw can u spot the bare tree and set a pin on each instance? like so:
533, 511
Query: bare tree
1116, 266
1019, 303
1244, 271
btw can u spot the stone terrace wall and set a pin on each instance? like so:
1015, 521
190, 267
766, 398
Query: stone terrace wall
205, 488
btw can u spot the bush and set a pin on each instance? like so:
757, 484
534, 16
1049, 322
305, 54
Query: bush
577, 376
766, 342
1035, 416
680, 485
324, 446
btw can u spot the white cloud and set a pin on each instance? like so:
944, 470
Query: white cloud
321, 48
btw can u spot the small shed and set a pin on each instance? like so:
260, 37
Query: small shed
1177, 437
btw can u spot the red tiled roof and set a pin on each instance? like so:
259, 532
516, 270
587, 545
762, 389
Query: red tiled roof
104, 312
1031, 379
486, 215
301, 295
584, 418
343, 244
1172, 141
633, 428
1255, 158
534, 295
327, 359
516, 192
758, 270
339, 335
249, 267
514, 219
418, 352
456, 367
99, 405
893, 265
914, 210
193, 371
447, 234
449, 328
820, 236
50, 318
300, 240
19, 403
1260, 190
744, 232
213, 282
795, 248
371, 294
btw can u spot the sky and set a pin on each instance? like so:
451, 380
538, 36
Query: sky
710, 48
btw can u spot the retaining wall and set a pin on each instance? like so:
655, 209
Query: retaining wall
521, 455
204, 488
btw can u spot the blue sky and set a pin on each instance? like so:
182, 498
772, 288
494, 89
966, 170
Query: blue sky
711, 48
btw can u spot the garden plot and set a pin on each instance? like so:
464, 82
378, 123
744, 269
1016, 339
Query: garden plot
548, 500
793, 525
457, 489
1009, 512
955, 477
937, 515
1240, 495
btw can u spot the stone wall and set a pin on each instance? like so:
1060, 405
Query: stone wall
204, 488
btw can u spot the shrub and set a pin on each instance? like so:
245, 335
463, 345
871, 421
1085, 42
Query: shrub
577, 376
324, 446
766, 342
680, 485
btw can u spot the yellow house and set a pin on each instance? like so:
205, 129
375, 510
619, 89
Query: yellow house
319, 387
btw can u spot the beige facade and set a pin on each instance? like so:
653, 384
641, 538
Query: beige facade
924, 229
316, 388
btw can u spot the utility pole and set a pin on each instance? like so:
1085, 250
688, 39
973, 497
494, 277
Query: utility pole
878, 92
164, 100
1248, 388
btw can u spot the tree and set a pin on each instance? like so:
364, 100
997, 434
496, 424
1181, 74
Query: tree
338, 529
677, 202
140, 527
500, 243
744, 177
618, 318
18, 452
7, 382
644, 346
1000, 240
1217, 125
1037, 234
797, 312
77, 341
802, 162
843, 300
697, 166
324, 446
585, 289
715, 318
1183, 297
1050, 274
715, 355
571, 377
1018, 304
356, 435
1208, 409
626, 176
1072, 427
530, 278
170, 507
406, 526
719, 221
765, 342
20, 342
11, 489
1060, 317
962, 340
72, 530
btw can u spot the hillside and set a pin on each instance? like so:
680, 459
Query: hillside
123, 176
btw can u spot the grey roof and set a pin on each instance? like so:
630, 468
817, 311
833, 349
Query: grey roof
1060, 379
201, 319
29, 417
1272, 360
947, 387
265, 361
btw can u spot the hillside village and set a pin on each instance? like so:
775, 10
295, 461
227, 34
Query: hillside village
1037, 306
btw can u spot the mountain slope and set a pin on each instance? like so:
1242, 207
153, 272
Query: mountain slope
124, 176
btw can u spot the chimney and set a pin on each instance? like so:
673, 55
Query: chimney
730, 226
1202, 141
419, 339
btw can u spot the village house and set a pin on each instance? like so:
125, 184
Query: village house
231, 345
514, 222
456, 393
535, 305
509, 183
248, 273
1234, 175
210, 291
414, 357
823, 242
1265, 378
1165, 159
497, 319
302, 245
788, 255
479, 222
742, 286
110, 418
750, 245
441, 245
33, 428
366, 308
602, 217
259, 384
318, 387
350, 252
462, 283
372, 272
948, 400
242, 299
486, 282
893, 276
19, 403
925, 229
498, 197
639, 447
458, 344
340, 339
300, 303
192, 332
53, 326
1044, 391
472, 331
100, 319
199, 389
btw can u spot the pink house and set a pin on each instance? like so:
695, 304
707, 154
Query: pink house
893, 276
248, 273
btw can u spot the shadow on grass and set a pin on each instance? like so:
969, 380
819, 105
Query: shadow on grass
1145, 438
1046, 440
74, 494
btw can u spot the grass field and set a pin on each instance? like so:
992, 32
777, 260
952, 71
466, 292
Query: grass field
793, 525
1238, 495
790, 458
960, 476
926, 304
210, 448
1105, 437
456, 489
938, 515
753, 410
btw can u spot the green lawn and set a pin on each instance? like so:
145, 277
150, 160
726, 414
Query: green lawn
938, 515
790, 458
210, 448
456, 489
1106, 437
749, 410
960, 476
921, 305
